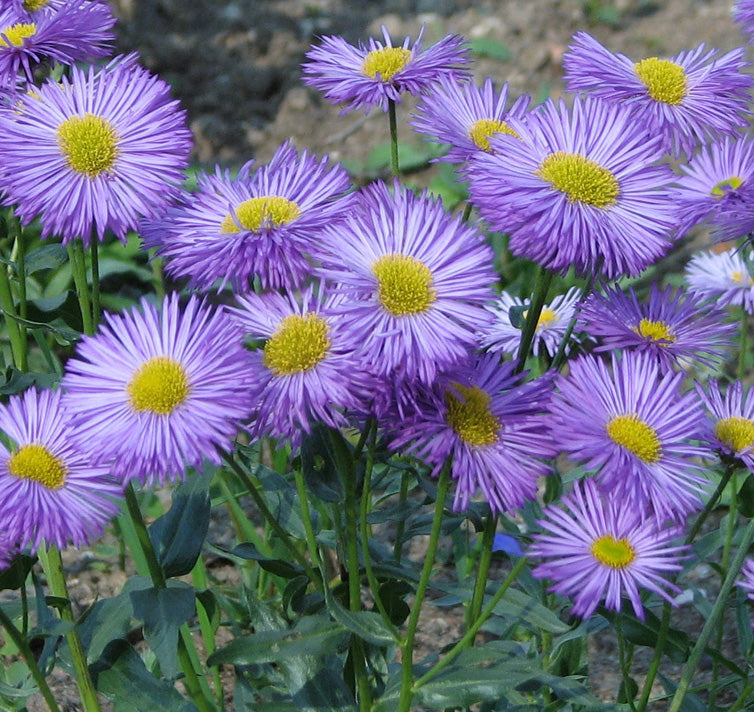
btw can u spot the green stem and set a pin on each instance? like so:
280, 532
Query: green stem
269, 516
712, 502
78, 268
199, 579
23, 647
743, 698
53, 568
393, 137
470, 634
542, 286
711, 622
306, 515
467, 211
407, 647
480, 585
401, 526
17, 346
96, 308
197, 687
18, 234
624, 664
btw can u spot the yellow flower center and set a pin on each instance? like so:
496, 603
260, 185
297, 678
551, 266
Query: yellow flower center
632, 433
14, 35
160, 385
89, 144
735, 432
665, 80
612, 552
404, 284
34, 5
655, 331
386, 62
264, 212
580, 178
299, 344
36, 462
481, 131
546, 319
721, 188
470, 416
742, 278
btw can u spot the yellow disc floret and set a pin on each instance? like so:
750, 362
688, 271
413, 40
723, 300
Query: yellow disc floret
724, 186
34, 5
264, 212
638, 437
36, 462
580, 178
14, 35
88, 143
404, 284
612, 552
159, 386
665, 80
386, 62
657, 331
735, 432
546, 319
481, 131
469, 415
298, 345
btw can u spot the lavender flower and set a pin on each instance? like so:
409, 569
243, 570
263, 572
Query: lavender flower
724, 277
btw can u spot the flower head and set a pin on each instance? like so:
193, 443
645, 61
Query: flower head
743, 14
50, 490
633, 427
493, 425
155, 393
261, 224
467, 116
672, 326
581, 188
730, 430
93, 152
502, 336
596, 549
63, 33
378, 72
414, 280
718, 188
688, 99
308, 370
724, 277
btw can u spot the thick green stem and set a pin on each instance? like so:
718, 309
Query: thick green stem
711, 622
625, 665
17, 345
393, 137
197, 687
96, 308
199, 579
53, 568
78, 268
407, 647
306, 515
544, 278
474, 629
477, 599
23, 648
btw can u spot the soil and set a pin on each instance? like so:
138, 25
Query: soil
235, 66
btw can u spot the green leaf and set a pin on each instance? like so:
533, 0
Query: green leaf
45, 257
516, 316
677, 643
318, 467
745, 501
15, 575
64, 306
367, 625
121, 676
310, 636
178, 535
279, 567
164, 611
489, 47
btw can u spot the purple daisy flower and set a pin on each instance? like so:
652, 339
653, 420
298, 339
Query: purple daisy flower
688, 99
730, 430
724, 277
597, 549
376, 73
154, 393
502, 337
466, 116
493, 425
49, 488
673, 326
632, 425
64, 34
414, 277
581, 188
94, 152
743, 14
308, 371
263, 225
718, 188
